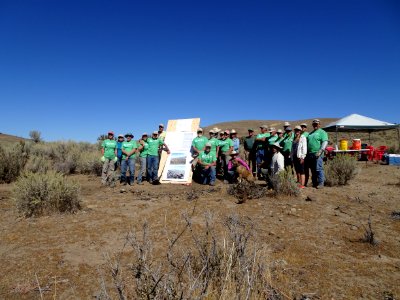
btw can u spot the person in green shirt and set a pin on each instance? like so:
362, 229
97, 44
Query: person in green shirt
260, 147
143, 151
154, 143
109, 152
214, 142
304, 129
226, 148
206, 165
199, 143
317, 141
286, 144
129, 148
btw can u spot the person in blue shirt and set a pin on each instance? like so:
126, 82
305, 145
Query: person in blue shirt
120, 140
235, 140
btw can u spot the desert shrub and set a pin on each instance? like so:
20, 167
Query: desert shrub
284, 183
340, 170
38, 164
36, 136
246, 190
89, 163
200, 262
12, 162
45, 193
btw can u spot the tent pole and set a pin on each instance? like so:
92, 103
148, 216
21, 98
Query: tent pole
369, 137
398, 138
336, 138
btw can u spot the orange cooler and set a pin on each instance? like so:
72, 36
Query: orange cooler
356, 144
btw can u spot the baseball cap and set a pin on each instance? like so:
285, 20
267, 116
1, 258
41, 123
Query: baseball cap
120, 135
288, 128
161, 125
111, 132
233, 131
155, 132
297, 128
250, 129
286, 124
227, 131
199, 129
234, 152
279, 131
129, 134
303, 124
264, 126
144, 134
208, 145
316, 121
272, 129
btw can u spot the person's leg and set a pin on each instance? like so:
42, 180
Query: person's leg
149, 169
111, 168
131, 164
156, 165
142, 169
213, 175
104, 172
226, 159
319, 168
259, 160
124, 166
306, 169
203, 172
313, 168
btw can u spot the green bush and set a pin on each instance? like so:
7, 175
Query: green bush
340, 170
12, 162
45, 193
38, 164
89, 163
284, 183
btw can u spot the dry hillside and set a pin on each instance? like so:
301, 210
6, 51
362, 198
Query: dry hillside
7, 138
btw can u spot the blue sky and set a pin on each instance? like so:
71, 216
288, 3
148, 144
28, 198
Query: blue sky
75, 69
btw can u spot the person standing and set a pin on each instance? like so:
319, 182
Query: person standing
213, 141
199, 143
249, 152
152, 157
317, 141
226, 148
109, 152
235, 140
120, 140
206, 163
298, 155
286, 144
161, 133
129, 148
260, 145
304, 129
143, 150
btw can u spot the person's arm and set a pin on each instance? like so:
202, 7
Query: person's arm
243, 163
323, 144
166, 147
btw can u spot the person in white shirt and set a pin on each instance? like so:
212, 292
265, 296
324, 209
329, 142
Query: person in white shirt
277, 161
298, 154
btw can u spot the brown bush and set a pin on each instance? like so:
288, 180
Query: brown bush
284, 183
340, 170
12, 162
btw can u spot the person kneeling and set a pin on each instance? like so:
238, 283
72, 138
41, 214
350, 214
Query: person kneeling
233, 165
206, 165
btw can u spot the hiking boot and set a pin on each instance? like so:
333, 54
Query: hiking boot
301, 186
212, 183
140, 183
320, 186
151, 181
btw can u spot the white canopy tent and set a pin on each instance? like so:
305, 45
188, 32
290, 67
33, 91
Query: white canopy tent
359, 123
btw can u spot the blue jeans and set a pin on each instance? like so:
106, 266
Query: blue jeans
125, 164
208, 175
152, 167
142, 170
259, 160
316, 165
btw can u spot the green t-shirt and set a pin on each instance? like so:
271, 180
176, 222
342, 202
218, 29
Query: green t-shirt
224, 145
154, 144
260, 144
144, 151
287, 142
128, 147
214, 144
109, 147
315, 140
305, 134
207, 158
199, 142
273, 139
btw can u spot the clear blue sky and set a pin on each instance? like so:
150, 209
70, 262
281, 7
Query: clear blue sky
74, 69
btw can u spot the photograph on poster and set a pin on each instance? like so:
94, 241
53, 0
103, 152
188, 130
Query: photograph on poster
176, 172
178, 159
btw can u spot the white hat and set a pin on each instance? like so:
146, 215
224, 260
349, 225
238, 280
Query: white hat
316, 121
155, 132
264, 126
276, 145
303, 124
279, 131
233, 131
120, 135
161, 125
234, 152
211, 131
297, 128
272, 129
286, 124
144, 134
216, 129
199, 129
208, 145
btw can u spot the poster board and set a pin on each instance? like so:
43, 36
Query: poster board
176, 167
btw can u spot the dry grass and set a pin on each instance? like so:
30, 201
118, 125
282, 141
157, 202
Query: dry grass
340, 170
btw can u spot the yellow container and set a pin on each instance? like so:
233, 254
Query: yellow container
343, 145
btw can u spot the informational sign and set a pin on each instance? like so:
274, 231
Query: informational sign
176, 167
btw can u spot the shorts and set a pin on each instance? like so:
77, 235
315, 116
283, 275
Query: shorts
299, 168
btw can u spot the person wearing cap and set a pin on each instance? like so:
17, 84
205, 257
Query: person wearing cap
143, 151
304, 129
161, 132
260, 147
233, 163
235, 140
298, 155
225, 150
317, 141
249, 150
280, 135
119, 150
214, 142
285, 125
129, 148
206, 164
199, 143
154, 143
286, 144
109, 152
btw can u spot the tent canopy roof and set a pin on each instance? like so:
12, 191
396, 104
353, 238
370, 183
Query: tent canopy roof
355, 122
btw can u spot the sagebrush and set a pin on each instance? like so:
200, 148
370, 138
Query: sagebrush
284, 183
12, 162
199, 262
38, 194
340, 170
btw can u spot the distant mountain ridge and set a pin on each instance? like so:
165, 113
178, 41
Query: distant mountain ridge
8, 138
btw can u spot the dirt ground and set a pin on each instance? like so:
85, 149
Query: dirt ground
313, 241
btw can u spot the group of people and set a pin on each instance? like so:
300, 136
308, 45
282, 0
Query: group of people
265, 154
124, 152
